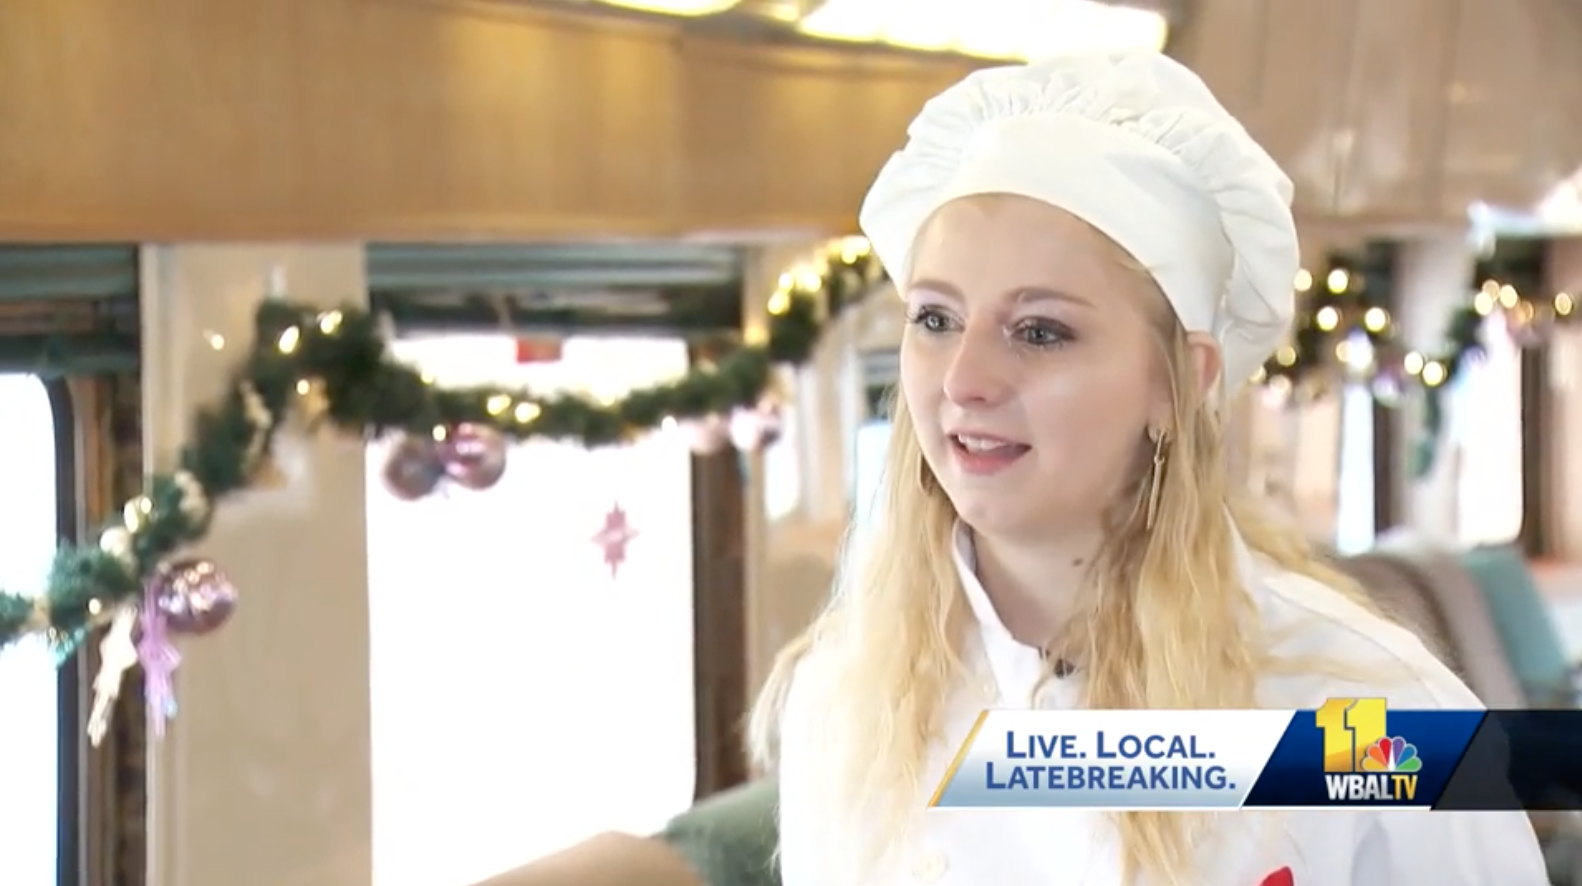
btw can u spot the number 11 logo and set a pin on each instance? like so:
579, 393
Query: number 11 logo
1351, 726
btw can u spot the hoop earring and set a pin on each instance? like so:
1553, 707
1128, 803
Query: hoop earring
1155, 481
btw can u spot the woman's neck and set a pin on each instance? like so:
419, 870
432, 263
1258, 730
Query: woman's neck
1033, 586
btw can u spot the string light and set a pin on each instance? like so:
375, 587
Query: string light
525, 412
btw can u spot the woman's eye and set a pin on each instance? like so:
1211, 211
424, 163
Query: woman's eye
929, 319
1043, 334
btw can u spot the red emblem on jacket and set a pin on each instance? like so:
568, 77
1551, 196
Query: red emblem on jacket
1282, 877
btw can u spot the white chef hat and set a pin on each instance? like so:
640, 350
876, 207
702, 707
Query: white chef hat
1135, 145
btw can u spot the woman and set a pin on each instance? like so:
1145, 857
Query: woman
1092, 253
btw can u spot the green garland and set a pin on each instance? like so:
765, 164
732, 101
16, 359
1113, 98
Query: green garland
1332, 311
1342, 305
341, 358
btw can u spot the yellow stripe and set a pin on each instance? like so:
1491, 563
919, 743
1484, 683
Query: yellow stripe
961, 757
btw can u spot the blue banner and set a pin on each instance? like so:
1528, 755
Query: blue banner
1356, 753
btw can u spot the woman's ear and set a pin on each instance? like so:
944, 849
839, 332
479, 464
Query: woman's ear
1207, 363
1203, 370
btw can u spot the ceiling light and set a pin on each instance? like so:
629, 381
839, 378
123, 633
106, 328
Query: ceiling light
676, 7
1019, 29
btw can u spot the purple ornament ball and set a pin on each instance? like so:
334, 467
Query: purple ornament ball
413, 469
474, 455
194, 596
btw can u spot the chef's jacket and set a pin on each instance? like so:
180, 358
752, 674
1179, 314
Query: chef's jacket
1063, 847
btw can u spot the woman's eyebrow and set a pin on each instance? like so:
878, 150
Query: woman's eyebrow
1023, 295
938, 287
1034, 294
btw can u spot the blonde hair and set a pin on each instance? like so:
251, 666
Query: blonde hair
1138, 628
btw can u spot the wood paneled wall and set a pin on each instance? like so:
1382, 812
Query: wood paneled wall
426, 119
394, 119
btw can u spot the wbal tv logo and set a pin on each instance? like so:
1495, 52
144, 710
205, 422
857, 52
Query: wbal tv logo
1362, 760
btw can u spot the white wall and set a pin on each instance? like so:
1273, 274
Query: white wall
262, 779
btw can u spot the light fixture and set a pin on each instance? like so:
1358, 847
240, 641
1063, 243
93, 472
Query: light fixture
1560, 209
687, 8
1010, 29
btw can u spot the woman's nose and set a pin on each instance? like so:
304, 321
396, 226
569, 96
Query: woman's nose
979, 371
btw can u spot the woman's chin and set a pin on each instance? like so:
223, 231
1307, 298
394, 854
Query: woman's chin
991, 514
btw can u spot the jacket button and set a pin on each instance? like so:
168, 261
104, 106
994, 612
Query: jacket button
930, 867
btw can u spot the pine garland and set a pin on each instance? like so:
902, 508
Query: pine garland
340, 361
1332, 310
1343, 305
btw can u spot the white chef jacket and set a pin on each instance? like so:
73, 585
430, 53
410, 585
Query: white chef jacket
1057, 847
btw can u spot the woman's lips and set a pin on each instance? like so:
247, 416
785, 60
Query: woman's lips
982, 455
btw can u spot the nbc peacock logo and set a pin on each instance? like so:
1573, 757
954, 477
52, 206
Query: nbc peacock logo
1391, 754
1363, 762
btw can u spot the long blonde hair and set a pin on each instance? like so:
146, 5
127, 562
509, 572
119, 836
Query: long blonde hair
1144, 628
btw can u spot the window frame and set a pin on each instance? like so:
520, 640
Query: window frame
70, 768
